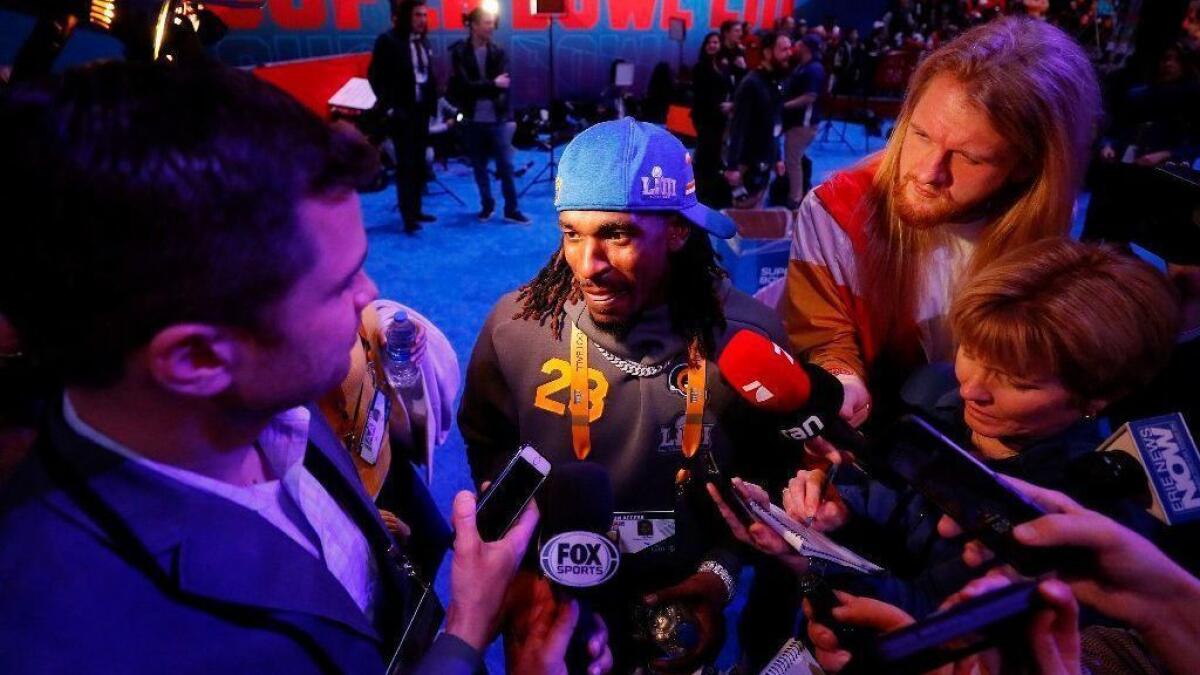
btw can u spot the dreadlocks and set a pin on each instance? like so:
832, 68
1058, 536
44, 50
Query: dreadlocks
693, 293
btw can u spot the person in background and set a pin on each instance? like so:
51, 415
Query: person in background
732, 57
801, 117
849, 60
751, 43
479, 83
787, 26
402, 77
394, 459
711, 107
757, 125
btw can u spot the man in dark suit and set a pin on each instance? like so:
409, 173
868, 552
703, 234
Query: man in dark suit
402, 76
182, 509
479, 87
757, 124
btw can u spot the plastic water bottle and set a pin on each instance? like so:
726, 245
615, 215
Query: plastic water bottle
402, 372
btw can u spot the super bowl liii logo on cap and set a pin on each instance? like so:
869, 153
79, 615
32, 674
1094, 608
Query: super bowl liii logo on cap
579, 559
658, 187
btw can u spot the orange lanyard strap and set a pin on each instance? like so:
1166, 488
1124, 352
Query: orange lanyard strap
579, 408
581, 436
697, 395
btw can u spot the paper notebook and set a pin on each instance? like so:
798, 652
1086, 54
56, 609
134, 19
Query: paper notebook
808, 541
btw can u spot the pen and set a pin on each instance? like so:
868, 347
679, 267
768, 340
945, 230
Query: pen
829, 476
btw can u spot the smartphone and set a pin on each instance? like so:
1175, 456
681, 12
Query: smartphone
944, 637
713, 474
819, 593
506, 497
977, 498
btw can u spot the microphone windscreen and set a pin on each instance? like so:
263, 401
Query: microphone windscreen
1106, 476
826, 392
764, 373
769, 378
578, 496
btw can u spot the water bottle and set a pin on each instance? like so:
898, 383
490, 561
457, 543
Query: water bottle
402, 372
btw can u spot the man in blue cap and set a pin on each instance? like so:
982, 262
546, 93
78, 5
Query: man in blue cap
635, 388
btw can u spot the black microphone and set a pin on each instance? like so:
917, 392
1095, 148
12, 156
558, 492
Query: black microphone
1153, 462
767, 377
575, 553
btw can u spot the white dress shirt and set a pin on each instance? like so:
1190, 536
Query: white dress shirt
295, 502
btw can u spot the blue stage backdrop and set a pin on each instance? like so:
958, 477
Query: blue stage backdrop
586, 39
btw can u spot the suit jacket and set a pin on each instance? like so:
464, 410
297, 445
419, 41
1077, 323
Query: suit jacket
757, 107
108, 566
468, 85
391, 76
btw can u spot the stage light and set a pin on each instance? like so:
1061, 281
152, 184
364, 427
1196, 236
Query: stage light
491, 7
102, 13
170, 30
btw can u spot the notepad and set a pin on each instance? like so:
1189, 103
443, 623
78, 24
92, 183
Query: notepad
807, 541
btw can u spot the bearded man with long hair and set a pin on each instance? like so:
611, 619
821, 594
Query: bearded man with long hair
987, 154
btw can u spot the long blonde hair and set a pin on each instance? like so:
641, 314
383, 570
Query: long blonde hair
1038, 90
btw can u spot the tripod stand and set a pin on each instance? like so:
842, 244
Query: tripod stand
547, 173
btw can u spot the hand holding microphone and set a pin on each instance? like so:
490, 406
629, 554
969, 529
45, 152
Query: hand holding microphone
577, 558
856, 403
767, 377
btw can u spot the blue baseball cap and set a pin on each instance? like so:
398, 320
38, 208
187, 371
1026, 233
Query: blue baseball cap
627, 165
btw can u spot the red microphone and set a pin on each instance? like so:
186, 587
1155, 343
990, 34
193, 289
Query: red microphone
770, 379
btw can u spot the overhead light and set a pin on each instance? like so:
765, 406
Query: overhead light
491, 7
102, 13
150, 29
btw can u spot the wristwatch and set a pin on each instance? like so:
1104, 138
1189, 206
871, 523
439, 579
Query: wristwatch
726, 578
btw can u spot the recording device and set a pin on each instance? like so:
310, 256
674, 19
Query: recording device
984, 621
574, 550
1151, 461
770, 379
819, 593
977, 498
724, 486
502, 502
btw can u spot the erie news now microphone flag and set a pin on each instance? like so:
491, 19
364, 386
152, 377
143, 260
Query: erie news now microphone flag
1164, 448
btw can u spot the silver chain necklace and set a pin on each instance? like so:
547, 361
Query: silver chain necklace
629, 367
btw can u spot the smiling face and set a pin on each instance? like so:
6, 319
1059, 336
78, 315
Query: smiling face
620, 260
952, 160
1010, 407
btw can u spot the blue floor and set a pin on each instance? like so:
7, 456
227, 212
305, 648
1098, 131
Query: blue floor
455, 269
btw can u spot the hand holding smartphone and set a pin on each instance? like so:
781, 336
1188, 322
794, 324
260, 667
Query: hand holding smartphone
502, 502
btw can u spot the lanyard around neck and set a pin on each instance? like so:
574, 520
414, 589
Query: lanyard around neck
695, 392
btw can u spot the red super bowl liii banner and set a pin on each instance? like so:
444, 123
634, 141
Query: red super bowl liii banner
587, 38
